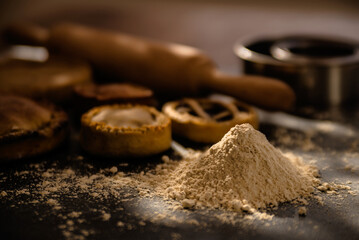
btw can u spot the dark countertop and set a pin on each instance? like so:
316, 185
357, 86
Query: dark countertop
212, 27
20, 218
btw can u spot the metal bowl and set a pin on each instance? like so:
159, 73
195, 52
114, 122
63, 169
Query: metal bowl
322, 71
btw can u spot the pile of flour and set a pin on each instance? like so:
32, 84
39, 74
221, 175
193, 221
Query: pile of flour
242, 172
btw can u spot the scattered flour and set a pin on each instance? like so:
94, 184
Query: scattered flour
303, 141
302, 211
106, 216
120, 224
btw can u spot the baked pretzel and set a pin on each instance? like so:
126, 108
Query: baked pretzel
207, 120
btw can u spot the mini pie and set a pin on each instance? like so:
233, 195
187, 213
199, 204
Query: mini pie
207, 120
53, 79
125, 131
28, 128
90, 95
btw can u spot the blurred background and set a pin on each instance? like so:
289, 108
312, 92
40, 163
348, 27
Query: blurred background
212, 26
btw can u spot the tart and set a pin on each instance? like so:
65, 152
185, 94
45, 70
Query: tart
28, 128
125, 131
207, 120
53, 79
90, 95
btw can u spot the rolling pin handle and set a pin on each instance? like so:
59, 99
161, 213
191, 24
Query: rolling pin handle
261, 91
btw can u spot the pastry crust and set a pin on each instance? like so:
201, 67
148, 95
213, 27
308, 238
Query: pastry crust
207, 120
87, 96
53, 79
101, 138
28, 128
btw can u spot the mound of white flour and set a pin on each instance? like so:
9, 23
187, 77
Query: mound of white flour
241, 172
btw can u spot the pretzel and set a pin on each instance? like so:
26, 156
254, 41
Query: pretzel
207, 120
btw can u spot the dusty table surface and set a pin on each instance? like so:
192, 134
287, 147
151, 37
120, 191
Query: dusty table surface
212, 27
27, 213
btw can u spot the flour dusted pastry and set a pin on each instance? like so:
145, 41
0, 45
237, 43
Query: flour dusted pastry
207, 120
125, 130
28, 128
53, 79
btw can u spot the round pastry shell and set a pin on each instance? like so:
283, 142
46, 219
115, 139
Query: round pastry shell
98, 138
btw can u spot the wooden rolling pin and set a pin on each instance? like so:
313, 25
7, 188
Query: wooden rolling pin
165, 67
